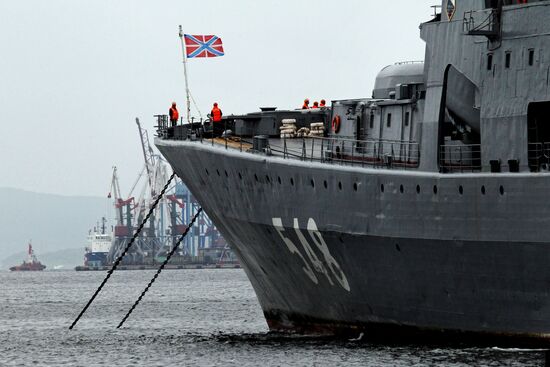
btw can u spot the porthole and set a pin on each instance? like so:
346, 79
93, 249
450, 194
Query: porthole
340, 185
397, 247
240, 176
418, 189
279, 179
483, 190
226, 174
207, 173
256, 177
401, 189
292, 181
267, 179
325, 184
435, 189
218, 171
501, 190
461, 190
382, 187
312, 183
355, 186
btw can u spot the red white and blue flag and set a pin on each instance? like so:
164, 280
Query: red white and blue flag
203, 46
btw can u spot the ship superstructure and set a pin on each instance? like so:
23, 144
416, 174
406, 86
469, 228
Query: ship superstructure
423, 207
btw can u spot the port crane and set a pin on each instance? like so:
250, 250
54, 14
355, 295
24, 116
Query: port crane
166, 223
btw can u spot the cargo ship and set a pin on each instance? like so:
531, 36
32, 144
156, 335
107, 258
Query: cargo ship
99, 244
420, 210
32, 263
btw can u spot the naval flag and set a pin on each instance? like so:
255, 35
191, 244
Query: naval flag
203, 46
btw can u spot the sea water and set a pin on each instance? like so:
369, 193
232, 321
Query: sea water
188, 318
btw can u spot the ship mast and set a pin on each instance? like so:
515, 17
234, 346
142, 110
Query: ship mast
188, 95
187, 98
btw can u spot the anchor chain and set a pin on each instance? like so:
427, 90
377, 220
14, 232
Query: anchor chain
119, 259
161, 267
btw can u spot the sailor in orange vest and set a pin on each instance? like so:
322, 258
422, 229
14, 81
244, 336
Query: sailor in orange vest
323, 103
174, 114
216, 116
315, 104
306, 104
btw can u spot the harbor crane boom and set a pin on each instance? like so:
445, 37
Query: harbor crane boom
148, 155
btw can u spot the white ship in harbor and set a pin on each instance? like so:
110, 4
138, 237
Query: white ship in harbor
98, 245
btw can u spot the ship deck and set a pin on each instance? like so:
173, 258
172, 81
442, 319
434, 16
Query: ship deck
339, 151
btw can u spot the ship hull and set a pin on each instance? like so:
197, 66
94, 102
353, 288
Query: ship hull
457, 255
427, 285
28, 267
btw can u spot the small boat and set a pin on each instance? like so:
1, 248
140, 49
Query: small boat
32, 263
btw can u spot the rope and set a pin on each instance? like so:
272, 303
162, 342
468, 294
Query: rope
161, 268
119, 259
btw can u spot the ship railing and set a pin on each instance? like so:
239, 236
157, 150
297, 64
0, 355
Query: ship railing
349, 152
341, 150
182, 131
539, 156
482, 23
460, 157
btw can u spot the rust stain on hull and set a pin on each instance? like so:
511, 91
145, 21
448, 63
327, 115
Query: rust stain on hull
280, 322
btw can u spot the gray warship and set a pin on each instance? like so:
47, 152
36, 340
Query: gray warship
421, 210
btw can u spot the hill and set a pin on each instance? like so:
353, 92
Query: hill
53, 222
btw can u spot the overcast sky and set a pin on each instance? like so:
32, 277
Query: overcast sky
75, 74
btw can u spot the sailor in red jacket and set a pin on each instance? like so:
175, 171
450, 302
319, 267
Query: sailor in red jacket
216, 113
174, 114
216, 116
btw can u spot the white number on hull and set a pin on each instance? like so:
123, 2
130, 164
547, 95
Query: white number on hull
319, 241
315, 263
278, 224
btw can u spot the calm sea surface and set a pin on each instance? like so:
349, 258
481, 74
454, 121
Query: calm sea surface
188, 318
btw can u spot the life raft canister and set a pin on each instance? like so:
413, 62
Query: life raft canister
336, 124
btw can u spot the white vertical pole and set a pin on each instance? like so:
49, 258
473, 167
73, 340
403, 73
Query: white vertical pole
186, 80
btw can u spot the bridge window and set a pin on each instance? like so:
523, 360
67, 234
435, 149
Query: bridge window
371, 124
388, 121
407, 117
489, 61
531, 57
508, 59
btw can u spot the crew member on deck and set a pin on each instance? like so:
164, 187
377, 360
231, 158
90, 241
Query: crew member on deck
174, 114
216, 116
323, 103
315, 104
306, 104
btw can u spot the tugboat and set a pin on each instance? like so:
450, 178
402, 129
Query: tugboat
32, 263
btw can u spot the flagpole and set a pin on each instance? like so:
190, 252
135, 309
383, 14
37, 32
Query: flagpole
186, 80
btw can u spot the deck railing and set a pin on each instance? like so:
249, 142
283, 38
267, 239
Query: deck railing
342, 151
460, 158
346, 151
539, 156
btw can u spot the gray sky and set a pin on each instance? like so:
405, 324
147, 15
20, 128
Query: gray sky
75, 74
